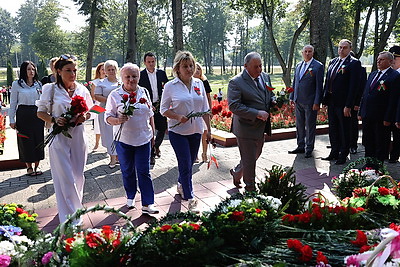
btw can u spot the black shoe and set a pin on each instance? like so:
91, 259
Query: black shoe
297, 151
152, 160
330, 157
340, 161
308, 154
158, 152
353, 150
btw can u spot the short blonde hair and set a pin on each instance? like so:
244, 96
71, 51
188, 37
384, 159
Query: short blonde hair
202, 76
179, 57
129, 65
111, 62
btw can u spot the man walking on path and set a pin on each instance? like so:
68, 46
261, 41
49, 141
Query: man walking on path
249, 98
307, 95
153, 80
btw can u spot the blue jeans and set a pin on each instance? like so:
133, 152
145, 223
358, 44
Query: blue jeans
135, 162
186, 148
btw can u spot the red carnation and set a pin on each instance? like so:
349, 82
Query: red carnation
237, 216
214, 110
383, 191
361, 239
19, 210
305, 217
78, 105
215, 96
132, 100
107, 231
195, 226
93, 240
224, 113
321, 258
364, 248
125, 98
294, 244
219, 107
289, 90
306, 253
166, 227
229, 114
258, 210
142, 100
132, 94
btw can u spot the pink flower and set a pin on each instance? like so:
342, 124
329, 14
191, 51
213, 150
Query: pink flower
5, 260
47, 257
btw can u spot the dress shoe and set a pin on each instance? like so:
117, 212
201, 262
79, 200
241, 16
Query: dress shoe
297, 151
308, 154
157, 152
340, 161
152, 160
235, 183
353, 150
330, 157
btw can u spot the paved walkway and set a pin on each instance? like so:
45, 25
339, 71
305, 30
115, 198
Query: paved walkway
104, 185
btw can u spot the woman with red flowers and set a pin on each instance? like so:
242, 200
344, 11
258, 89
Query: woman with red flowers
67, 154
129, 111
199, 75
101, 92
183, 96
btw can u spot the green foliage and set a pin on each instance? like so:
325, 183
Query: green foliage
10, 73
26, 26
281, 183
49, 40
42, 69
7, 33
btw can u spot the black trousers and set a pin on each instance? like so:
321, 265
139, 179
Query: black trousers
160, 123
354, 129
375, 138
339, 131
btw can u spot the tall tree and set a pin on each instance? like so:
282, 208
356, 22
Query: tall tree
177, 25
97, 13
132, 37
7, 33
49, 40
319, 28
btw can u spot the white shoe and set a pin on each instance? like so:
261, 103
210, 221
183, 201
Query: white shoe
130, 203
193, 207
180, 190
150, 209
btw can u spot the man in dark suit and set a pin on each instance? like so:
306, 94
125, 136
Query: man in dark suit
378, 106
340, 88
153, 80
249, 98
307, 96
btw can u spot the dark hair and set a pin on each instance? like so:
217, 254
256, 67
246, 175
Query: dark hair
148, 54
23, 72
98, 68
60, 63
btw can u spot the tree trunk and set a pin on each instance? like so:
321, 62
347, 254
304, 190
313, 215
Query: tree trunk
374, 66
356, 28
90, 49
177, 25
319, 28
364, 34
132, 40
223, 57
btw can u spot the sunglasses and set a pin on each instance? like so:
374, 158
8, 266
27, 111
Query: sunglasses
67, 56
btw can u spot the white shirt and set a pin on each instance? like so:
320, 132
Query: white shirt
23, 95
104, 88
137, 130
177, 98
97, 81
61, 100
153, 83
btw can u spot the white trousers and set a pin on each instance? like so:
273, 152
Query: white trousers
67, 161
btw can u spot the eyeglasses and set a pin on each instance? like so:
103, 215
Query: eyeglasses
67, 56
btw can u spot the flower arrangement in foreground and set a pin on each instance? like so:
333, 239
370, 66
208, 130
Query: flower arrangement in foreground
281, 183
15, 215
13, 246
245, 222
177, 240
221, 115
78, 107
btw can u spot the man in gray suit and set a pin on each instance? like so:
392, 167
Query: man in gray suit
307, 96
249, 98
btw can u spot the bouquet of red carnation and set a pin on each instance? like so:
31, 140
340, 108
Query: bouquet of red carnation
78, 107
128, 108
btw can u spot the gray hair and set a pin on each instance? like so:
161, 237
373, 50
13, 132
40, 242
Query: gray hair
111, 62
250, 56
346, 41
308, 46
387, 54
129, 65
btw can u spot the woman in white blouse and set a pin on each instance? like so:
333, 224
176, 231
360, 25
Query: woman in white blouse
98, 77
67, 155
101, 93
22, 113
181, 96
136, 138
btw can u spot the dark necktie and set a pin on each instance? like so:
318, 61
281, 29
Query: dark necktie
333, 74
376, 79
303, 70
257, 80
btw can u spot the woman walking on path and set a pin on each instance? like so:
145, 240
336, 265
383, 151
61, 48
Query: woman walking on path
135, 133
101, 92
22, 113
68, 155
199, 75
182, 96
99, 76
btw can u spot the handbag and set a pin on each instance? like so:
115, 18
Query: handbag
47, 124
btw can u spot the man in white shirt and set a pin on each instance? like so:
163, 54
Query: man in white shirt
153, 80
